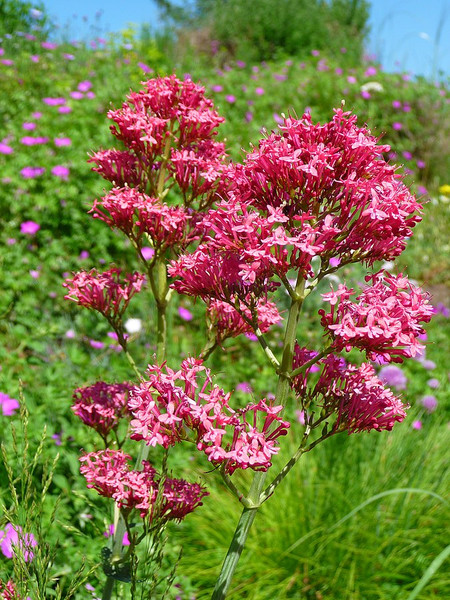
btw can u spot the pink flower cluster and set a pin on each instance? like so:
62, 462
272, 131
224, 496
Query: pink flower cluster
356, 394
333, 178
198, 170
313, 191
136, 214
108, 472
121, 167
105, 292
102, 405
241, 252
225, 321
171, 403
166, 114
384, 320
8, 591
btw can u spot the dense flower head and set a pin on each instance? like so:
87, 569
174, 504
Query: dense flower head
384, 320
136, 214
198, 168
8, 591
172, 403
333, 175
105, 292
240, 253
109, 473
13, 541
101, 405
362, 401
225, 321
355, 394
120, 167
165, 107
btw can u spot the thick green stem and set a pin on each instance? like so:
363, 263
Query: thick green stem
234, 553
160, 289
283, 386
256, 495
108, 589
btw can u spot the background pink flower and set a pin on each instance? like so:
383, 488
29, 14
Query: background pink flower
29, 227
8, 405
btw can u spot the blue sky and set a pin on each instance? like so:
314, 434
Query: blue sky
404, 33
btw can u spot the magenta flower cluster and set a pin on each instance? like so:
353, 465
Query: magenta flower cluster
356, 394
172, 403
102, 405
384, 321
108, 472
104, 292
172, 116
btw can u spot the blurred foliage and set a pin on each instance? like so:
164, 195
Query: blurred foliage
24, 17
228, 29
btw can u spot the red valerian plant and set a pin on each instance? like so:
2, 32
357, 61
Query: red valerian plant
8, 591
169, 404
305, 202
102, 405
108, 472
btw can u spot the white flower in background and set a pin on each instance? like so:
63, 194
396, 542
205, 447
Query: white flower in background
133, 325
372, 86
388, 265
36, 14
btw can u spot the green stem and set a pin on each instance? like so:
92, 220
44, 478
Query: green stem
282, 474
108, 589
234, 553
255, 495
160, 289
236, 491
267, 351
162, 168
209, 348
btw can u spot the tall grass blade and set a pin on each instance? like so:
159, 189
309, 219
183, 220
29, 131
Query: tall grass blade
437, 562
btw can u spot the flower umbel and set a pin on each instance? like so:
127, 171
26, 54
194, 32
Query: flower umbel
101, 405
105, 292
108, 472
173, 403
384, 320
